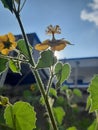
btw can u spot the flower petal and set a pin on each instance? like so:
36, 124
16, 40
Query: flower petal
41, 47
14, 44
11, 37
3, 38
58, 47
46, 42
1, 46
5, 51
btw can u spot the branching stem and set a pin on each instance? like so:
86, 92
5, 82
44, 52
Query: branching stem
36, 74
50, 81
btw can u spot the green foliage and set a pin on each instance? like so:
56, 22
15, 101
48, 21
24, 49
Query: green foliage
42, 101
60, 101
77, 92
64, 88
3, 65
59, 114
53, 92
93, 90
72, 128
14, 66
5, 127
93, 126
88, 103
47, 59
8, 4
20, 116
27, 95
22, 47
62, 72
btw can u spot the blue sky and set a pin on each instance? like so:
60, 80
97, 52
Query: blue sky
78, 20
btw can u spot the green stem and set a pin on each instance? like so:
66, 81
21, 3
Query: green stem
13, 58
50, 80
36, 74
96, 112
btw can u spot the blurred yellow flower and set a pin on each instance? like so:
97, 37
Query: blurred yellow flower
7, 43
32, 87
54, 44
4, 101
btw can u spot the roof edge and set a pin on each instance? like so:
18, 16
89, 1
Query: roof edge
80, 58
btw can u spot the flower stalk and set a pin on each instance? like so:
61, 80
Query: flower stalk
36, 74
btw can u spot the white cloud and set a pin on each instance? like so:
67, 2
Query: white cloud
94, 5
93, 15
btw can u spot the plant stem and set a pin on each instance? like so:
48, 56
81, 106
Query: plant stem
50, 80
96, 112
13, 58
36, 74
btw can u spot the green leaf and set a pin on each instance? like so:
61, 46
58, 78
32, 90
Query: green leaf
62, 127
22, 47
47, 59
58, 69
42, 101
14, 66
53, 92
64, 88
59, 114
62, 72
93, 90
3, 65
65, 72
4, 127
72, 128
69, 93
8, 4
27, 95
92, 126
88, 104
20, 116
77, 92
60, 101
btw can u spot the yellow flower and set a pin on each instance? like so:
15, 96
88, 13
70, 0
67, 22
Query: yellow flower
7, 43
1, 46
55, 45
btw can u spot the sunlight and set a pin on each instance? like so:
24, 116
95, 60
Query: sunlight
57, 55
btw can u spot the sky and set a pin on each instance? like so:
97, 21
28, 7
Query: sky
78, 20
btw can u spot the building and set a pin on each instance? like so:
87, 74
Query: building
82, 71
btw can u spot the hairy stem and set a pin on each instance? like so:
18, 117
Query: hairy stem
13, 58
50, 80
36, 74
